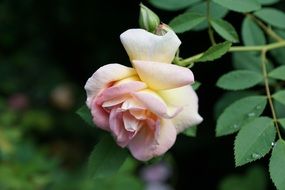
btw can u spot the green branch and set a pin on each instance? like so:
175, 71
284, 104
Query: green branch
267, 47
210, 31
266, 29
268, 93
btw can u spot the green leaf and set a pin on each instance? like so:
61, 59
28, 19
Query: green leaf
282, 122
254, 179
216, 11
186, 21
172, 5
251, 33
85, 114
190, 132
106, 158
239, 5
225, 30
279, 53
278, 73
239, 80
254, 140
117, 182
247, 61
239, 113
279, 109
272, 16
267, 2
196, 85
277, 163
215, 52
228, 98
280, 96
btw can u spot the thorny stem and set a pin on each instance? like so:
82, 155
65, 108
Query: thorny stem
268, 93
210, 31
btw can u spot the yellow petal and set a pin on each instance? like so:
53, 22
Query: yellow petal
143, 45
188, 100
160, 76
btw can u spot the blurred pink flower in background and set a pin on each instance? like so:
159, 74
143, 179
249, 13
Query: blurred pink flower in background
18, 101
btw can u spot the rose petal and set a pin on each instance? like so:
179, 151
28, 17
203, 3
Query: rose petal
154, 103
103, 77
149, 143
135, 108
120, 90
186, 97
115, 101
143, 45
121, 135
160, 76
100, 116
131, 124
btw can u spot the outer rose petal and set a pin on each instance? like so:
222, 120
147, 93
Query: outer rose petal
154, 103
143, 45
149, 143
186, 97
161, 76
120, 90
103, 77
100, 116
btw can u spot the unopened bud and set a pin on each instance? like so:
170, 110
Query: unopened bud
148, 20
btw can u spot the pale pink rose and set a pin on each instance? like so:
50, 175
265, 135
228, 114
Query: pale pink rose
144, 107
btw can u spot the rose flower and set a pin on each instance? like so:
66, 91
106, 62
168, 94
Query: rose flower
144, 107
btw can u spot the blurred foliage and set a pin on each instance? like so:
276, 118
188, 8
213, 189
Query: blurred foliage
47, 51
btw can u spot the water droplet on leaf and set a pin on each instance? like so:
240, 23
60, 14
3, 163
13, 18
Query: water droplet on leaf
258, 107
255, 156
235, 126
251, 114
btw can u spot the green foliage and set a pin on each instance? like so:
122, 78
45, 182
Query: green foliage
279, 54
282, 122
186, 21
280, 96
239, 113
272, 16
240, 5
172, 5
196, 85
228, 98
85, 114
239, 80
215, 11
225, 30
118, 182
191, 131
246, 60
106, 158
254, 140
251, 33
215, 52
276, 165
278, 73
254, 178
267, 2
